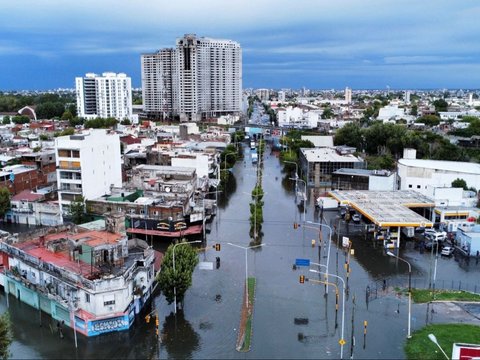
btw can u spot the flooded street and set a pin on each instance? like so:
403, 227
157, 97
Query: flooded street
291, 320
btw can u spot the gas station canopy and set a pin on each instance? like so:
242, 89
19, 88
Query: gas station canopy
387, 208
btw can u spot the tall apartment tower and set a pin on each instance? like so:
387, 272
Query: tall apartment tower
109, 95
157, 77
199, 79
87, 165
348, 95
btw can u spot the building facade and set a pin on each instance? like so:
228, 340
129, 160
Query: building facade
200, 78
425, 176
88, 164
108, 95
92, 281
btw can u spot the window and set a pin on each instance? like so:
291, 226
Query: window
418, 186
409, 186
108, 299
87, 297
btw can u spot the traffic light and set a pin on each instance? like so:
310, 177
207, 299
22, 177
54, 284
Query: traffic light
295, 225
147, 319
302, 279
217, 260
157, 322
217, 247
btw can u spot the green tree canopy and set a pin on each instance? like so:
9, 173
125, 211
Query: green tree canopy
351, 135
181, 279
77, 210
6, 120
459, 183
4, 201
440, 105
429, 120
6, 336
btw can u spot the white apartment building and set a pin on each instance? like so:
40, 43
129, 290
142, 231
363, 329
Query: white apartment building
348, 95
201, 78
88, 164
108, 95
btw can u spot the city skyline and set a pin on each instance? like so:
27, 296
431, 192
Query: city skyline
371, 44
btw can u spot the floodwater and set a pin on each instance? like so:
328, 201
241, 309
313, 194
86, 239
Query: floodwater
291, 320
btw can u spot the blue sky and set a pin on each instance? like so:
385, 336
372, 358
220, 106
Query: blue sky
318, 44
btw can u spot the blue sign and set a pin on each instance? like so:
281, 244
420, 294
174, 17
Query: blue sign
302, 262
108, 325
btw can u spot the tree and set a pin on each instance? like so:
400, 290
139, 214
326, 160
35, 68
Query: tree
350, 135
77, 210
6, 120
181, 279
440, 105
67, 115
459, 183
429, 120
6, 336
327, 113
125, 122
4, 201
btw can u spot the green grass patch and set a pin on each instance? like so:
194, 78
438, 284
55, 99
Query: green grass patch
248, 335
251, 289
421, 347
425, 295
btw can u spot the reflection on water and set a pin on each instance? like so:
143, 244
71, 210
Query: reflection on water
178, 336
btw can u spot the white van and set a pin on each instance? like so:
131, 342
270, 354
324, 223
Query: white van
435, 235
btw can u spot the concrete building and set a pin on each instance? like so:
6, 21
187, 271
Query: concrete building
318, 165
263, 94
88, 164
363, 179
201, 78
108, 95
92, 281
468, 239
348, 95
425, 176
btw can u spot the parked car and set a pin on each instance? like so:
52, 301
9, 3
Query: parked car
356, 218
440, 235
447, 251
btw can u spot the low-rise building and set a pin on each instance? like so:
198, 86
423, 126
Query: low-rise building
318, 165
92, 281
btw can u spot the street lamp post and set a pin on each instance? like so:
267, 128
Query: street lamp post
342, 340
329, 243
174, 271
225, 159
296, 174
389, 253
304, 196
246, 267
433, 338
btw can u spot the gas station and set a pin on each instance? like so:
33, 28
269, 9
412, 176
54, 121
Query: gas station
388, 211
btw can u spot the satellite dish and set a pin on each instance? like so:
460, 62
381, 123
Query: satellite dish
167, 189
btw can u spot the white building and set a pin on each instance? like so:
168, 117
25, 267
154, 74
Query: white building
425, 176
92, 281
88, 164
201, 78
109, 95
298, 117
391, 112
348, 95
281, 96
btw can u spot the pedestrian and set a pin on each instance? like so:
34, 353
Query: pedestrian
384, 286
